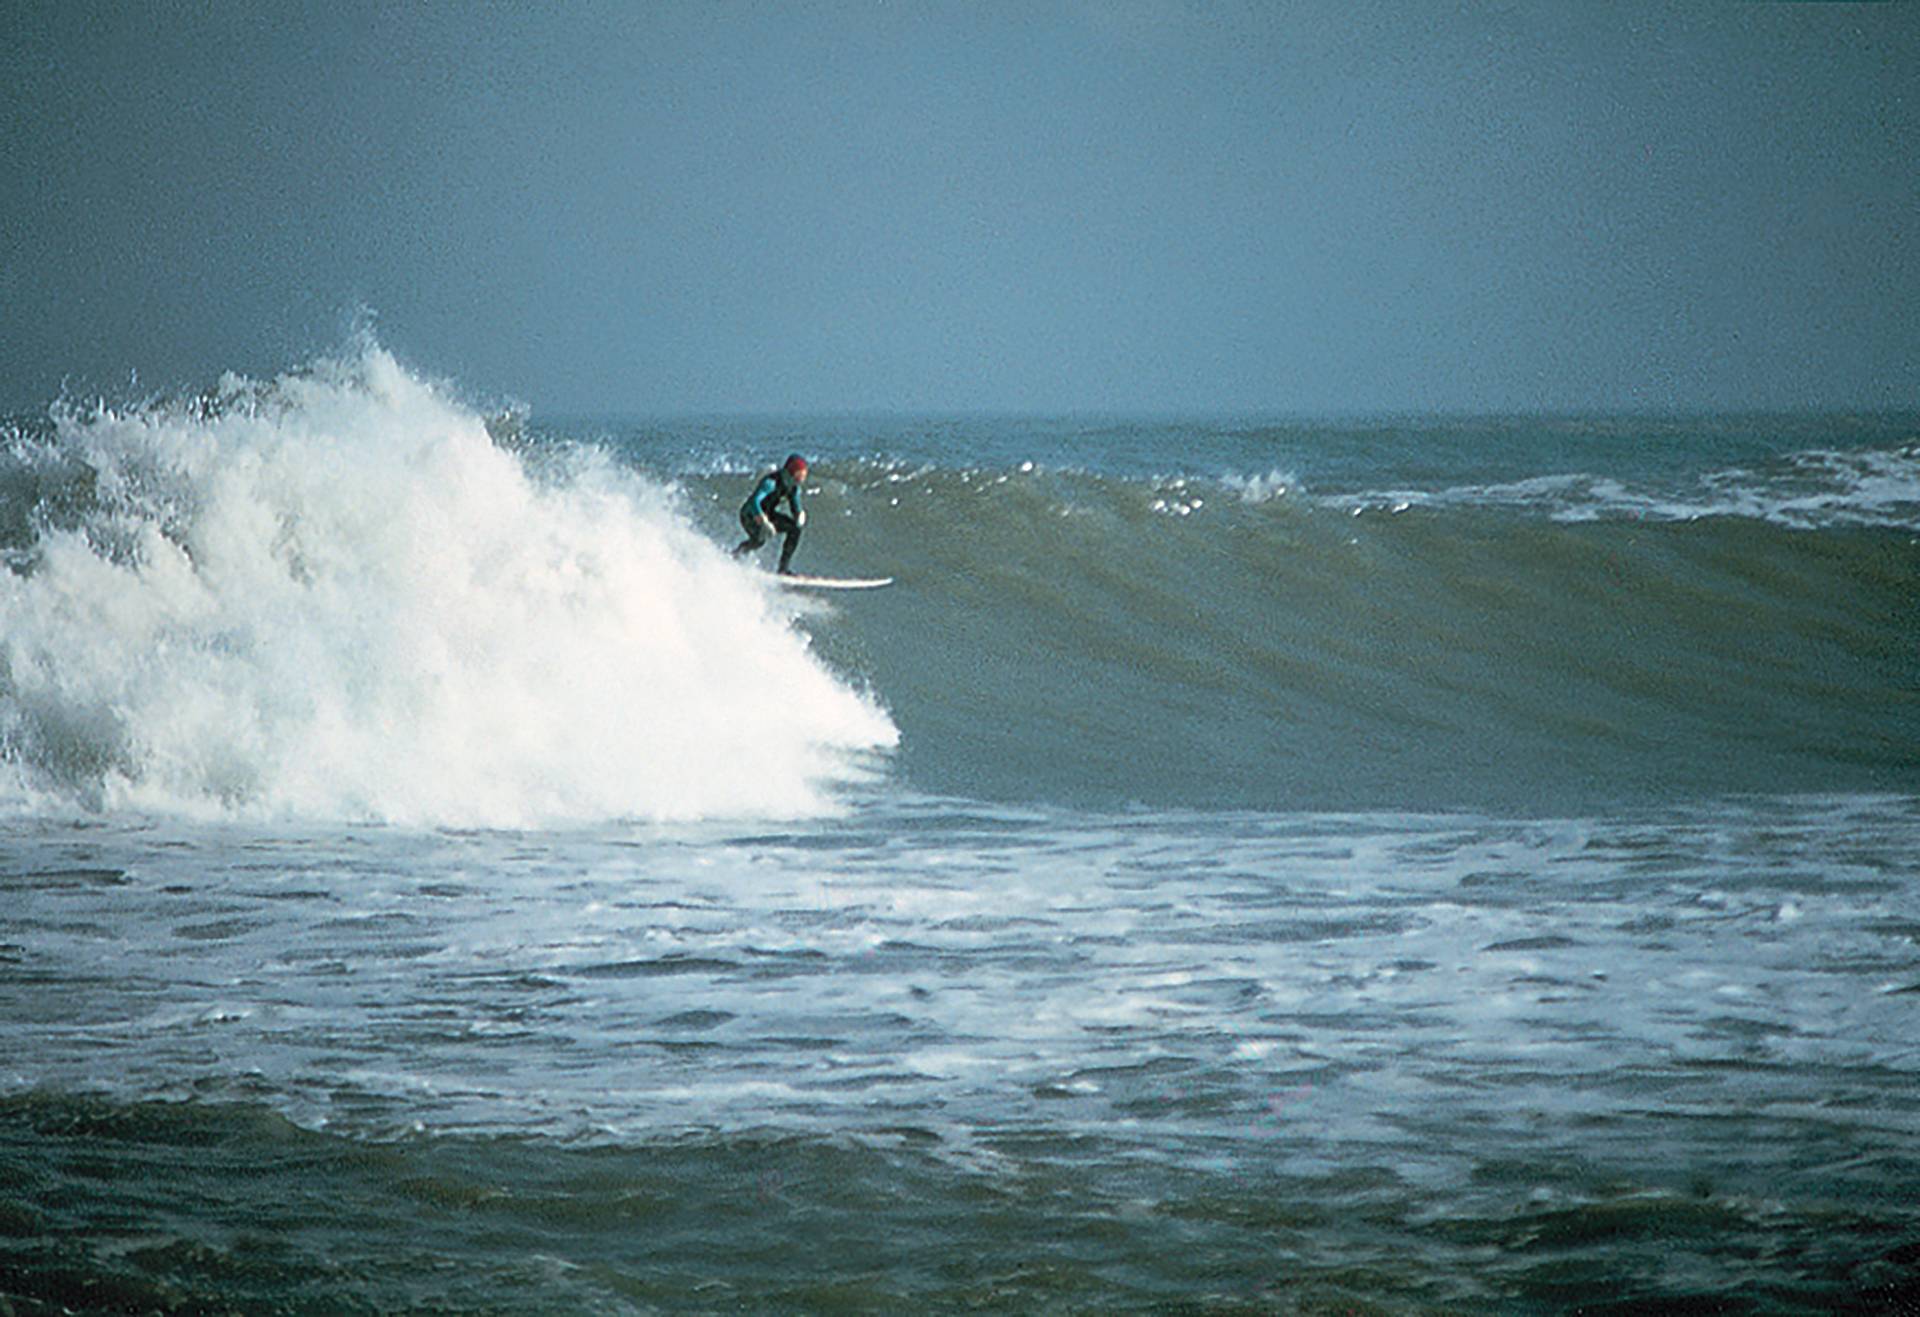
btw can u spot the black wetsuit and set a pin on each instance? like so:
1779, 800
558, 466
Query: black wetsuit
765, 500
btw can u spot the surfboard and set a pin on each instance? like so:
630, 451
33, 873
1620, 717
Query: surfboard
795, 581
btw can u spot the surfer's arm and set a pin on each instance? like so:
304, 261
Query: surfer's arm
756, 506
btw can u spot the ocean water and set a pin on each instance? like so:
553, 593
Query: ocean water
1422, 865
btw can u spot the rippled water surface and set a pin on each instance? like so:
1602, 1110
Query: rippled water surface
1015, 1057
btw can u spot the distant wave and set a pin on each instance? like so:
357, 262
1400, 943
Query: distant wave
333, 595
1812, 490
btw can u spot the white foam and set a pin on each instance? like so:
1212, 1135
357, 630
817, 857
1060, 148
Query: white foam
333, 596
1261, 488
1803, 491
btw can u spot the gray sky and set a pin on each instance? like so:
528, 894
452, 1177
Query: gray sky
916, 205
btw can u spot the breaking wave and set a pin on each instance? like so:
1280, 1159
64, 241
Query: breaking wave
335, 595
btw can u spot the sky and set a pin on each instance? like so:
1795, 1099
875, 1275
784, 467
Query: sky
728, 206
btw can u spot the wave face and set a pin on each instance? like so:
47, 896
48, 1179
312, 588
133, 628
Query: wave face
1346, 622
334, 595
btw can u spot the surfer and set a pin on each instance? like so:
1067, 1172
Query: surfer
761, 514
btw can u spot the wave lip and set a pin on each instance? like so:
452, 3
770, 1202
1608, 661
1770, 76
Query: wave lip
334, 596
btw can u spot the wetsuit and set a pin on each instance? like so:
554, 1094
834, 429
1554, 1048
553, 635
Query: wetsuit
765, 502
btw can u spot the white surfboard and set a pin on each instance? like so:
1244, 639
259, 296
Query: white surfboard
795, 581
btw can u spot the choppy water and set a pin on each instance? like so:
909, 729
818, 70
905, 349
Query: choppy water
1239, 867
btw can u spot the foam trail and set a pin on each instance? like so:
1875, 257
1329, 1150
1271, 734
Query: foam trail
333, 596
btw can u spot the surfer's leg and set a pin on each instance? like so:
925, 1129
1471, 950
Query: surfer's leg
790, 529
755, 536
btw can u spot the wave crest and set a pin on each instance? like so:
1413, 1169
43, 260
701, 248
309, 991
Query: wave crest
333, 595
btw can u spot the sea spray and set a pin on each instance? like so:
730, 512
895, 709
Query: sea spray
332, 595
